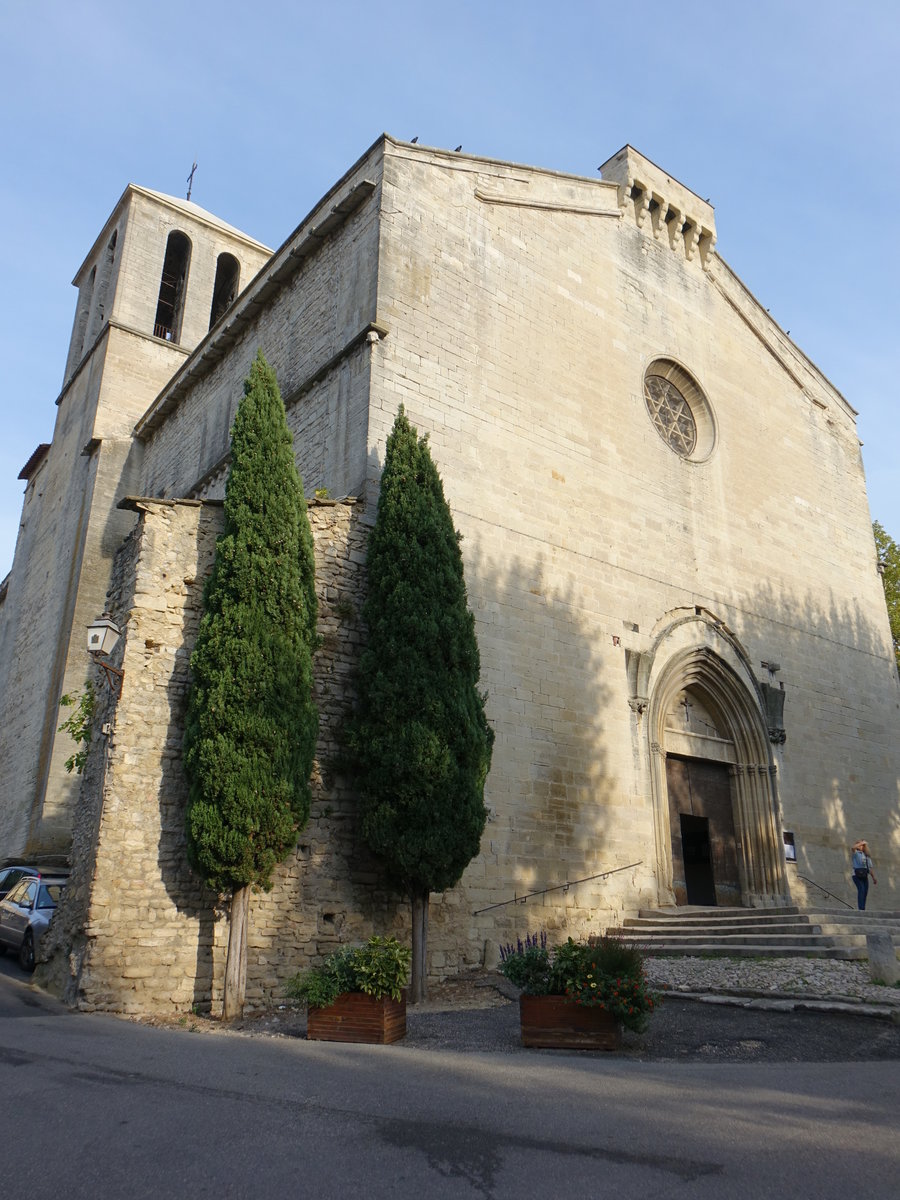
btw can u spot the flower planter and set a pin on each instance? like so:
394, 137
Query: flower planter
356, 1017
554, 1023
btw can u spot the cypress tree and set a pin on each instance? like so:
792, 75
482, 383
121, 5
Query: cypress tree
420, 740
251, 724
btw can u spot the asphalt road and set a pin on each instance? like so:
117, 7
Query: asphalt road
95, 1106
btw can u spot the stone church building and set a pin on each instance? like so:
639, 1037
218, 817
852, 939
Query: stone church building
666, 537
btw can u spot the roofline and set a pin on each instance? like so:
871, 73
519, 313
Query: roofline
453, 156
37, 456
273, 274
135, 189
769, 319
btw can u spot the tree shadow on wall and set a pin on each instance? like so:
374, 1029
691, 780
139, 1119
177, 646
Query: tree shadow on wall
839, 769
556, 810
556, 814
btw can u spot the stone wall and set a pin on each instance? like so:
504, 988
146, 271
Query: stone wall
309, 312
524, 309
138, 932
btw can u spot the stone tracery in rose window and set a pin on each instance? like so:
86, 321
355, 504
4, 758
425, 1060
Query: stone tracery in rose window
671, 414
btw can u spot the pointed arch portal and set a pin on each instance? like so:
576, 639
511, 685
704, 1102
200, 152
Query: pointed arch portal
714, 786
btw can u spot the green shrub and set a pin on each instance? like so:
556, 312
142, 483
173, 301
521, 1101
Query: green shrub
79, 724
379, 968
608, 975
614, 956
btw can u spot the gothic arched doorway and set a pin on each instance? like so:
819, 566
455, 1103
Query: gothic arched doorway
713, 784
699, 761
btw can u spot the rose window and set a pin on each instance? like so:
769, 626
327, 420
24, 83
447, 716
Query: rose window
671, 414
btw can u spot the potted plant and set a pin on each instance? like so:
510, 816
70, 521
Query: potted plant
356, 995
578, 995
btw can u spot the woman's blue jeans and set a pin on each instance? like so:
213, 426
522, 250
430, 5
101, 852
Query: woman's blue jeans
862, 889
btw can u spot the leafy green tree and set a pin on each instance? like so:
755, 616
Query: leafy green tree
251, 725
889, 563
79, 724
420, 740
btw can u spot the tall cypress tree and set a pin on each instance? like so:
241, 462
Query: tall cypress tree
251, 725
420, 739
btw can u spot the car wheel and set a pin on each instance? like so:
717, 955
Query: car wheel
26, 951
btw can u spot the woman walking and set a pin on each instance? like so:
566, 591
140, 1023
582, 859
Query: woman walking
862, 869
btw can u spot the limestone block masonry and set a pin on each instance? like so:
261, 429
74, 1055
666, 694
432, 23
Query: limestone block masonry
71, 525
137, 932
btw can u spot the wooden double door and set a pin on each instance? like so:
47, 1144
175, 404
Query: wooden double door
704, 847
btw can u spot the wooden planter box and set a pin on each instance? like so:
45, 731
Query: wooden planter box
356, 1017
553, 1023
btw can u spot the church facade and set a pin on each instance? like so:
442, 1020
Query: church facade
666, 537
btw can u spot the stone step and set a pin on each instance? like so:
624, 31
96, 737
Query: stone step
686, 911
763, 933
805, 935
846, 916
850, 938
640, 923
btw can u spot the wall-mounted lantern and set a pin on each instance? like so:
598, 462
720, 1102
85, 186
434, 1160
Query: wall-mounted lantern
103, 634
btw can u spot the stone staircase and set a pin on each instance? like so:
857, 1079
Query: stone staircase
848, 929
757, 932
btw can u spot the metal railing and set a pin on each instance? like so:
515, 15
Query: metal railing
559, 887
806, 879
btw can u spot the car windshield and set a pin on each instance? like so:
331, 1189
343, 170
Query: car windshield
48, 896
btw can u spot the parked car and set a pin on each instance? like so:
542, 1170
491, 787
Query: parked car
10, 876
25, 915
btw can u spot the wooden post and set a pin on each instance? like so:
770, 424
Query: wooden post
236, 961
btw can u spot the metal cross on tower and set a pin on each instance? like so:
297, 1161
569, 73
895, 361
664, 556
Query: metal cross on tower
190, 181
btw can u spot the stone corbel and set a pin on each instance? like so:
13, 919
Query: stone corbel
674, 222
641, 198
691, 241
659, 213
638, 704
707, 246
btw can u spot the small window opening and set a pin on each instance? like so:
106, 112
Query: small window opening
228, 273
790, 849
170, 307
109, 260
85, 296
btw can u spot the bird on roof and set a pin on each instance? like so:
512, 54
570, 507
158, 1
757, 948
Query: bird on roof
412, 141
458, 148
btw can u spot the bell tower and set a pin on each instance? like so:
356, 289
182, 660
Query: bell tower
149, 290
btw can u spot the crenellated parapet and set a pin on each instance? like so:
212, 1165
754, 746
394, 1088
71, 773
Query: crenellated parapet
662, 207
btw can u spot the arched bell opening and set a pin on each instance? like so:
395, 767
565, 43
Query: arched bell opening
172, 287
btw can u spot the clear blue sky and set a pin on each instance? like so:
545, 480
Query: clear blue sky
785, 114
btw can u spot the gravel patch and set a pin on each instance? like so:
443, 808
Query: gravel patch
824, 979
